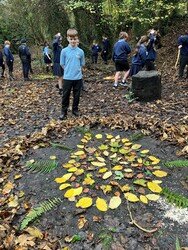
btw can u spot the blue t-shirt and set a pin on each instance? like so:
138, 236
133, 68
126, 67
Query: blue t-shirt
72, 59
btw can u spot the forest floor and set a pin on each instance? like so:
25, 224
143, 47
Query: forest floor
30, 129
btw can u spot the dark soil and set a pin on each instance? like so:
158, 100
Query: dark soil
114, 225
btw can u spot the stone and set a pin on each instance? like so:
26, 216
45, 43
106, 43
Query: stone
146, 85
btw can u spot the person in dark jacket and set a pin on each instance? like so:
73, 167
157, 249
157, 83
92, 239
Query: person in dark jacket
9, 59
105, 49
120, 54
183, 47
57, 69
95, 49
139, 58
25, 56
2, 63
151, 50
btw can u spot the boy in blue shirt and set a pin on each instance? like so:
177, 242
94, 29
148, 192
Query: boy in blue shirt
71, 59
9, 59
95, 49
120, 57
183, 47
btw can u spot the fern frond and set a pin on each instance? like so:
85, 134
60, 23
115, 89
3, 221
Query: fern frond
177, 163
175, 198
35, 213
63, 147
42, 166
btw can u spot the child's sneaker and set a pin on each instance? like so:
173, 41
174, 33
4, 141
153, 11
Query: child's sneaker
115, 85
124, 84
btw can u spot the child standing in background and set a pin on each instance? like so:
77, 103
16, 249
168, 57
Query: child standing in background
72, 59
139, 58
9, 59
95, 51
57, 69
47, 56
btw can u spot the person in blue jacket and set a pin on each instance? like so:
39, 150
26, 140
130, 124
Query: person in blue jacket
95, 49
183, 47
151, 50
139, 58
105, 49
9, 59
25, 57
121, 50
47, 56
2, 63
57, 69
72, 60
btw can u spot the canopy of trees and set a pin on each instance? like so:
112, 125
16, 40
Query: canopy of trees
39, 20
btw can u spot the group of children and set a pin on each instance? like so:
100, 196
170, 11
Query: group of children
25, 57
144, 56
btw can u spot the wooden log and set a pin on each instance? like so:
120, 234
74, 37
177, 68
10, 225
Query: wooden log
146, 85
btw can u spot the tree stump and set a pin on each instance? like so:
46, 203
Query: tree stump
146, 85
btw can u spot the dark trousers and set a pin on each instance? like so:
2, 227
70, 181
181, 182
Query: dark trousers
183, 63
25, 68
10, 67
68, 85
94, 58
104, 56
150, 65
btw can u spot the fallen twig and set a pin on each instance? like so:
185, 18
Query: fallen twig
134, 222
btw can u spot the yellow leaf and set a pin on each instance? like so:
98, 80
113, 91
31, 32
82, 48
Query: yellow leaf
53, 157
84, 202
13, 202
153, 197
79, 172
117, 137
80, 146
128, 170
98, 164
125, 140
136, 146
106, 188
157, 181
64, 178
128, 143
145, 151
109, 136
144, 199
100, 159
73, 192
107, 175
78, 153
88, 181
160, 173
131, 197
115, 201
154, 159
101, 205
140, 160
69, 193
72, 161
102, 170
106, 153
113, 156
154, 187
17, 176
72, 170
64, 185
117, 167
98, 136
78, 191
33, 231
84, 140
125, 188
68, 165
